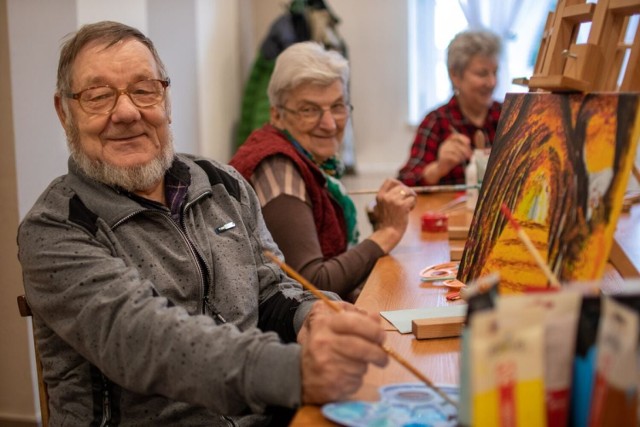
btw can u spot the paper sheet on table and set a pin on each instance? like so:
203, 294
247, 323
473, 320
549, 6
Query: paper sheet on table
401, 319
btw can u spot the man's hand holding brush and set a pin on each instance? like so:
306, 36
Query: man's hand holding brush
337, 348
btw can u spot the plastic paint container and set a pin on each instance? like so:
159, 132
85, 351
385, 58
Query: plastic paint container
434, 222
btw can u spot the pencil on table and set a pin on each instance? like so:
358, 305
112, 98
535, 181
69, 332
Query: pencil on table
553, 280
318, 294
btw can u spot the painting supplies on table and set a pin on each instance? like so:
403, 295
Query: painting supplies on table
507, 369
434, 222
558, 314
481, 154
437, 221
454, 204
615, 393
584, 361
444, 274
592, 343
458, 232
562, 358
482, 285
403, 319
439, 272
471, 179
477, 303
392, 353
400, 405
439, 322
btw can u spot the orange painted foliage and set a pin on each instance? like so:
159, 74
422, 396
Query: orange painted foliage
561, 163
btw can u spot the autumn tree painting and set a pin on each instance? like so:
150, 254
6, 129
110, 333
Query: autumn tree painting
561, 163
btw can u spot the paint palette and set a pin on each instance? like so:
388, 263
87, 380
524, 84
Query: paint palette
440, 272
401, 405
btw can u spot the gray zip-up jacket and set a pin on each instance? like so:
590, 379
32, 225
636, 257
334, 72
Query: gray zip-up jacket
129, 325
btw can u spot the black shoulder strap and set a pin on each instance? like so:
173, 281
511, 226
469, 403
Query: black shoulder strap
82, 216
219, 176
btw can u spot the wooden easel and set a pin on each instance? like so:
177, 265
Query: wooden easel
563, 65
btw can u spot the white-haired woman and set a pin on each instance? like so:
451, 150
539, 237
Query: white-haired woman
291, 163
447, 135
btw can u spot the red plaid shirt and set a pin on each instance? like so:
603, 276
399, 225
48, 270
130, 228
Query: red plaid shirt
434, 129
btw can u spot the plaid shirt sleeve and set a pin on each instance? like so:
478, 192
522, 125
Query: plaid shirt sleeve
423, 151
433, 131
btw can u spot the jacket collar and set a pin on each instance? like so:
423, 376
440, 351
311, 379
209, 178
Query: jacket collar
113, 204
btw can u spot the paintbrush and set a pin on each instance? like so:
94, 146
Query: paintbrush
318, 294
479, 138
454, 204
479, 286
553, 280
425, 189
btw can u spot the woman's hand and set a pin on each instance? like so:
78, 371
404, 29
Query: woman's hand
394, 201
455, 150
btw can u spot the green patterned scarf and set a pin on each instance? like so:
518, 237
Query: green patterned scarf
332, 170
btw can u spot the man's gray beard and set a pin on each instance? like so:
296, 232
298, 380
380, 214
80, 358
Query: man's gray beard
131, 178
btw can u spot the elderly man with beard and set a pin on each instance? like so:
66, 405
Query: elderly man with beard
152, 299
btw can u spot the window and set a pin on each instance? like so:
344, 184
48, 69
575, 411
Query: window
432, 25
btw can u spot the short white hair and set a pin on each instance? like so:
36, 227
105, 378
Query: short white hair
467, 44
306, 62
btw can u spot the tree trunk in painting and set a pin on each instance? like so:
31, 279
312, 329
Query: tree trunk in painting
560, 162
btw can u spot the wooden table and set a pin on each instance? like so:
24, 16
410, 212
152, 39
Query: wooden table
395, 284
626, 245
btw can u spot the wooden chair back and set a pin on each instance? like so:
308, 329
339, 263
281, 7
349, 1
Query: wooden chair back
25, 311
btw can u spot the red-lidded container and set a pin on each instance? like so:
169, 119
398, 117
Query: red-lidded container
434, 222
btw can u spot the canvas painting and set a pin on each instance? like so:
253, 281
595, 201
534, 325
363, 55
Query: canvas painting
561, 163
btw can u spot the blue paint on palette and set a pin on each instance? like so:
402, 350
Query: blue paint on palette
401, 405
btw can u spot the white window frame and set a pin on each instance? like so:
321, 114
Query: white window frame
429, 85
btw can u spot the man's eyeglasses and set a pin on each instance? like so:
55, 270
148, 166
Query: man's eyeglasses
103, 99
312, 114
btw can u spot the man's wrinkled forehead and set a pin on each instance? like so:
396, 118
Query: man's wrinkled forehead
85, 72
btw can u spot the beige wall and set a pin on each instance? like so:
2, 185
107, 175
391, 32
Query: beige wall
16, 393
375, 32
33, 143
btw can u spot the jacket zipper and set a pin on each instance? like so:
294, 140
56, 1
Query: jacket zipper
125, 218
229, 421
206, 303
196, 257
106, 403
185, 237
